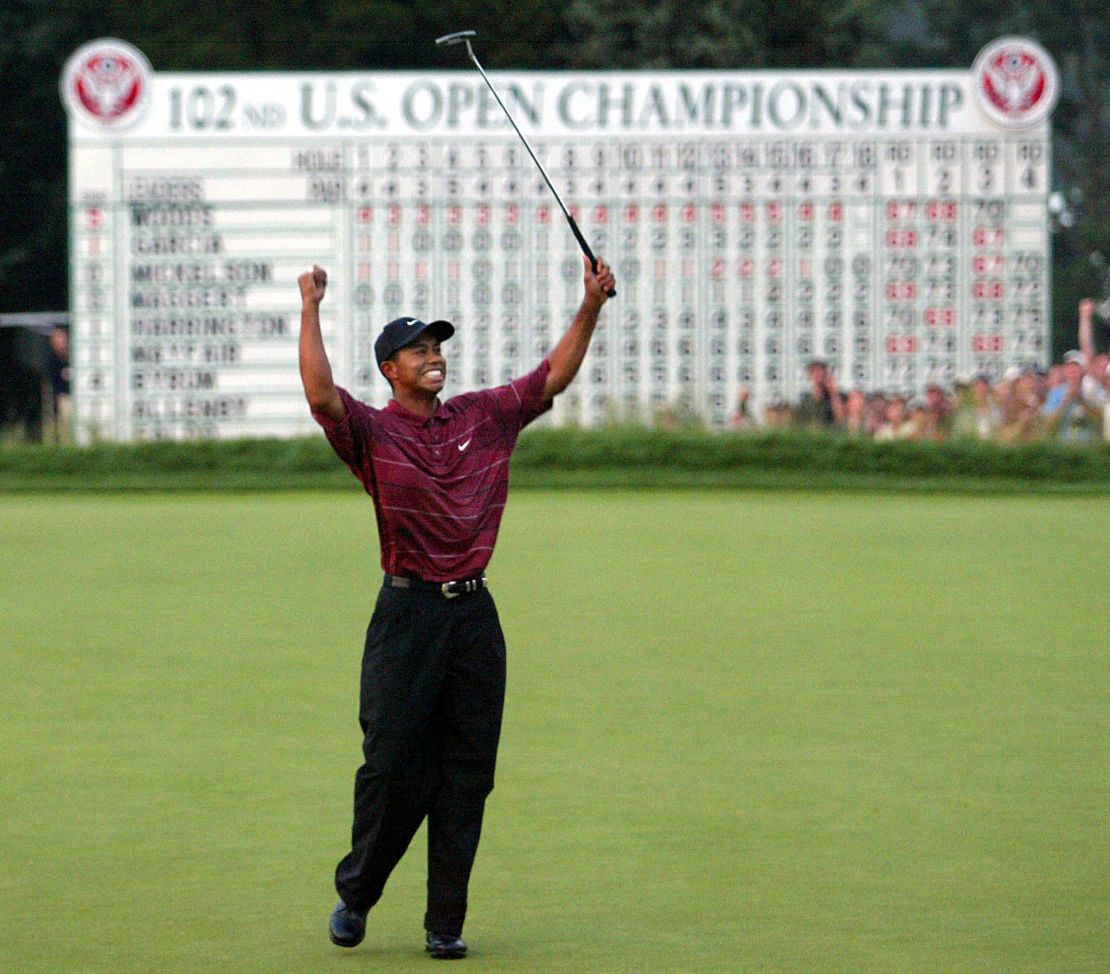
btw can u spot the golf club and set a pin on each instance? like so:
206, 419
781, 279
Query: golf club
463, 37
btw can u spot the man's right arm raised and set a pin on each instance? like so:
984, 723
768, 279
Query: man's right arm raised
316, 377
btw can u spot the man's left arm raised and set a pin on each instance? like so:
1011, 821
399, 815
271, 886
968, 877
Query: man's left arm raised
566, 357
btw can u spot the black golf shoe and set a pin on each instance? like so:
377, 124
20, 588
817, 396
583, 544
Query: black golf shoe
445, 946
346, 927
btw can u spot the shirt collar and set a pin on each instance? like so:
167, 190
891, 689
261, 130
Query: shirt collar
394, 407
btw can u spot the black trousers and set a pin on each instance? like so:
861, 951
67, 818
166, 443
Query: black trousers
431, 699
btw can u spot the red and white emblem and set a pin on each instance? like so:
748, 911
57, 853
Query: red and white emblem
106, 84
1015, 82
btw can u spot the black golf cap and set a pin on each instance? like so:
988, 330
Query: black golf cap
404, 331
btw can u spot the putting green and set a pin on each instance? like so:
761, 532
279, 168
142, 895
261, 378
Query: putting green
746, 732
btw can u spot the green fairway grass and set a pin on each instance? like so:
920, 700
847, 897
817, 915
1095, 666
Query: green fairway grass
745, 732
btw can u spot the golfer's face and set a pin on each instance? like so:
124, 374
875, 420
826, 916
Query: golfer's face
421, 365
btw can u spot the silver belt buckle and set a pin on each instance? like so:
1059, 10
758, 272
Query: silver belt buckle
470, 586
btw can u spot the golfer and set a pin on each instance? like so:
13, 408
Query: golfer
433, 669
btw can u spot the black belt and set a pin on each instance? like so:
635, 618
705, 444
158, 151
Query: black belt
449, 590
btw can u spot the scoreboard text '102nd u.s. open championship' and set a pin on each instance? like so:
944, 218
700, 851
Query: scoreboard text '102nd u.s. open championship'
892, 223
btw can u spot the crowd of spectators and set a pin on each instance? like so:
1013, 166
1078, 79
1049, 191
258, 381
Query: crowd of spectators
1070, 401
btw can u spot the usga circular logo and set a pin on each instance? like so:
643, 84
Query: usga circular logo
1015, 82
106, 84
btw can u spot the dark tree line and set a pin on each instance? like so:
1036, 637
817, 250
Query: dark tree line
36, 37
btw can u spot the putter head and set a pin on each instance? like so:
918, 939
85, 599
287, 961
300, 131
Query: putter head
459, 37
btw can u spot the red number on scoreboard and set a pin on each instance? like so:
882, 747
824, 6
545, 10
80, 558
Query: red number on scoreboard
901, 290
689, 211
631, 213
988, 236
940, 317
901, 238
990, 290
901, 344
747, 213
836, 212
937, 211
601, 214
987, 343
988, 264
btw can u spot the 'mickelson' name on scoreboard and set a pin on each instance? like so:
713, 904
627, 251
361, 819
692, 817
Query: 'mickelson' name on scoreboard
893, 223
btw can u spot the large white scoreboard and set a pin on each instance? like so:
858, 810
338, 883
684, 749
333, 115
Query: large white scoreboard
892, 223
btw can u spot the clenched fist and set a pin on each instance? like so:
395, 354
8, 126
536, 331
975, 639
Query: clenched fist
313, 285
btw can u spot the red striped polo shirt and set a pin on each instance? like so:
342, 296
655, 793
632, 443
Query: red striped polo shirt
439, 485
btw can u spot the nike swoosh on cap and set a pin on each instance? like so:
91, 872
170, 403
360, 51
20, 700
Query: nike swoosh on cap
463, 446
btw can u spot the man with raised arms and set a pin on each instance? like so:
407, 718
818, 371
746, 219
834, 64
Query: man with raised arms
433, 669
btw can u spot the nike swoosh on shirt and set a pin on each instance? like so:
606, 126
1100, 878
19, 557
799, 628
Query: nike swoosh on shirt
463, 446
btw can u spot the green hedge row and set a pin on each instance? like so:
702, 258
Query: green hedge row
619, 456
694, 450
